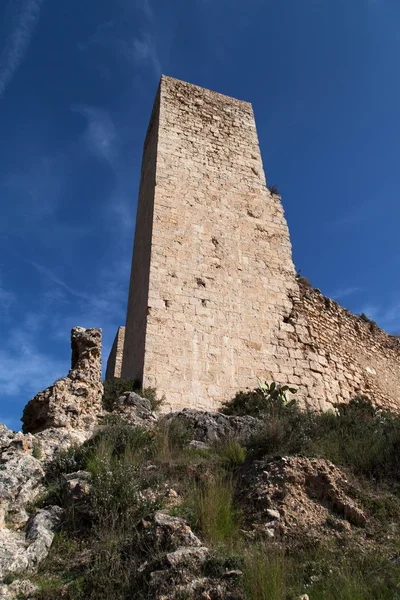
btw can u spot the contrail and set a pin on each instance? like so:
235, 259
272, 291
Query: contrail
18, 41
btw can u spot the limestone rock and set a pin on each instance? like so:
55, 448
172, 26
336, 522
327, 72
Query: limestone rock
303, 493
135, 410
51, 442
174, 562
18, 590
160, 530
19, 552
74, 401
21, 475
208, 427
77, 486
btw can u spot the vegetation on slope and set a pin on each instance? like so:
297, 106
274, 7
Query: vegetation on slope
135, 471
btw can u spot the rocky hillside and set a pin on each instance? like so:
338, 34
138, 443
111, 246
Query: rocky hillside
103, 497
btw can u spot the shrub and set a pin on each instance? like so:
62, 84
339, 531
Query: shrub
264, 574
245, 403
115, 388
273, 189
268, 399
171, 438
232, 453
36, 451
215, 513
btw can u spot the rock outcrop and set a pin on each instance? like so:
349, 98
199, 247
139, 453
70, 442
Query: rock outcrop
174, 562
298, 497
55, 419
24, 551
209, 427
21, 476
135, 410
74, 401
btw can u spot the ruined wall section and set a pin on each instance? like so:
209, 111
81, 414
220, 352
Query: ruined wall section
334, 355
114, 363
221, 270
136, 318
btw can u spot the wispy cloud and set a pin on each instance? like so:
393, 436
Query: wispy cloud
100, 137
18, 40
132, 36
143, 52
6, 300
341, 293
24, 369
54, 279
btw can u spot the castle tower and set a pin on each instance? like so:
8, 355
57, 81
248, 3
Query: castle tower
212, 266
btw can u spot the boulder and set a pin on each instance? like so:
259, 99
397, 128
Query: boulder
75, 401
21, 476
174, 562
208, 427
135, 410
23, 552
297, 497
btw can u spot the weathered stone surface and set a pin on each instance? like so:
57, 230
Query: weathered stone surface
21, 475
296, 495
340, 355
214, 303
209, 427
212, 265
162, 531
135, 410
73, 401
77, 485
51, 442
114, 362
23, 552
174, 560
18, 590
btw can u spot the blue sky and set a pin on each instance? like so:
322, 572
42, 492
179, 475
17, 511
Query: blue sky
77, 83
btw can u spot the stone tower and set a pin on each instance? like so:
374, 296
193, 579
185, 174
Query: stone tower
212, 270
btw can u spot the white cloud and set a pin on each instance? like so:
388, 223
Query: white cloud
345, 292
142, 51
6, 300
50, 275
100, 137
387, 317
24, 370
18, 41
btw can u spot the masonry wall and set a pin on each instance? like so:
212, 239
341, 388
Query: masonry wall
221, 266
340, 355
214, 303
136, 318
114, 363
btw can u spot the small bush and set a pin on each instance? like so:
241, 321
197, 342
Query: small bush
36, 451
274, 190
233, 454
215, 513
245, 403
115, 388
265, 574
268, 399
170, 441
151, 394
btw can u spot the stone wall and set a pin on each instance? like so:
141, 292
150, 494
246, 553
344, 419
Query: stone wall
334, 355
214, 303
114, 363
135, 343
221, 267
